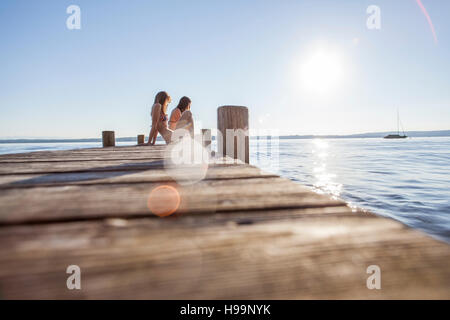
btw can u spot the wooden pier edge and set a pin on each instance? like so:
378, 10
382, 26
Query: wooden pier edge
238, 233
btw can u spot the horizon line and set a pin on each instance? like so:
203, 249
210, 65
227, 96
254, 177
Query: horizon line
288, 136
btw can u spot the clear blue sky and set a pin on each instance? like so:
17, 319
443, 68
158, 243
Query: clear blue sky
56, 82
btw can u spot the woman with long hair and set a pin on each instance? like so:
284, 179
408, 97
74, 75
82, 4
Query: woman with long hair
181, 118
175, 116
159, 118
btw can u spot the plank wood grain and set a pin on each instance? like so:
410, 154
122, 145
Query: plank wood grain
79, 166
112, 200
300, 258
131, 176
85, 152
92, 156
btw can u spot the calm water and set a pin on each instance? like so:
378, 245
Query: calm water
408, 180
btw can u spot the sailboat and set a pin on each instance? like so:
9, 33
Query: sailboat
397, 136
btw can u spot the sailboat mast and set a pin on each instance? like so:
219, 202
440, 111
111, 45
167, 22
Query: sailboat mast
398, 123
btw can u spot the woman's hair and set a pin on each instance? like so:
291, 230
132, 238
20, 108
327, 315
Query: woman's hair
183, 104
161, 98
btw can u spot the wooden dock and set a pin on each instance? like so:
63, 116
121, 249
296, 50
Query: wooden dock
240, 233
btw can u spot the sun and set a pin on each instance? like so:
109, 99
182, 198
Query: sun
321, 71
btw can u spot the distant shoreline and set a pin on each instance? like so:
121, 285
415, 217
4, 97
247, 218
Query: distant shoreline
412, 134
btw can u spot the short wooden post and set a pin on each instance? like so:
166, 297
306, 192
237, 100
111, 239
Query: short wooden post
109, 139
206, 140
232, 132
140, 139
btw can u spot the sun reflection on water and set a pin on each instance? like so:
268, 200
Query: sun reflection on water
324, 180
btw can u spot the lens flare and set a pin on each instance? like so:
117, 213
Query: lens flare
163, 201
427, 16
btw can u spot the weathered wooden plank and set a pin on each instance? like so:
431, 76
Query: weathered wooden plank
313, 257
96, 201
131, 176
75, 164
78, 166
87, 156
84, 151
93, 157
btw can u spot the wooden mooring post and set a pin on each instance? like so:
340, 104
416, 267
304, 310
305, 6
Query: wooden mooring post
140, 139
233, 132
109, 139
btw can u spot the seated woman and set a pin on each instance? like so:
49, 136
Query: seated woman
181, 116
159, 119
